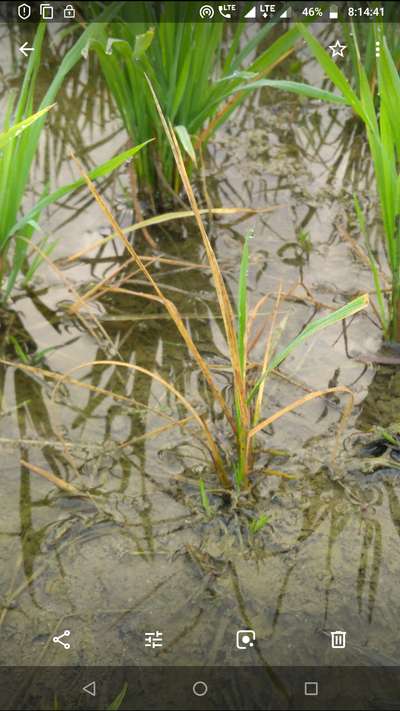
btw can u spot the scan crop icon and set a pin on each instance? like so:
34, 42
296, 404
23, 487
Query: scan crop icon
245, 639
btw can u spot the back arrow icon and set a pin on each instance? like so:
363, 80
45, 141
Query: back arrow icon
90, 688
24, 49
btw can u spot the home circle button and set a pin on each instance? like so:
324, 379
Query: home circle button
200, 688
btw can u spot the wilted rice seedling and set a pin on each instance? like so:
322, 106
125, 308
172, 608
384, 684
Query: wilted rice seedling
245, 418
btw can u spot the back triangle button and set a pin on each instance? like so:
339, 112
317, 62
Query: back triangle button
90, 688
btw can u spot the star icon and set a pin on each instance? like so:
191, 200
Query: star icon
337, 49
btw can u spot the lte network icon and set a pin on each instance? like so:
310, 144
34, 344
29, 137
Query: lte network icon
24, 11
338, 639
266, 10
245, 639
226, 10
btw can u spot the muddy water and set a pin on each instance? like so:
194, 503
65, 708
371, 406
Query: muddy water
139, 554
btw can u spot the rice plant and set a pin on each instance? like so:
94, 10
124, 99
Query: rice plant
19, 142
380, 118
194, 72
245, 416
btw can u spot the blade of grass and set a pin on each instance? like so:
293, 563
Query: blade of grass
242, 304
169, 217
373, 266
294, 87
267, 353
117, 702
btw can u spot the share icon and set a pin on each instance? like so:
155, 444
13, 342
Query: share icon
58, 640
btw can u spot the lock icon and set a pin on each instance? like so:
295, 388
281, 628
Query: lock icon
69, 12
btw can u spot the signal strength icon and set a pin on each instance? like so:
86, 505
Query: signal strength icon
252, 14
286, 14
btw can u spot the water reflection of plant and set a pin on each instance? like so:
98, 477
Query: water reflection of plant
34, 423
337, 506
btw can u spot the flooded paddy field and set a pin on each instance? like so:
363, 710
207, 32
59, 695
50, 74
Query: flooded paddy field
138, 552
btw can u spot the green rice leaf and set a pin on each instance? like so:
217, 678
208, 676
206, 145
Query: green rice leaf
98, 172
186, 141
143, 42
116, 704
296, 88
242, 303
19, 127
331, 69
361, 302
257, 524
204, 498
